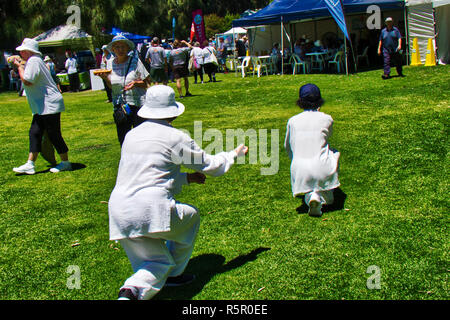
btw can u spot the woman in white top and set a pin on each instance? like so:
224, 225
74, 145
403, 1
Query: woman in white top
197, 54
72, 72
314, 166
128, 81
209, 66
156, 231
46, 104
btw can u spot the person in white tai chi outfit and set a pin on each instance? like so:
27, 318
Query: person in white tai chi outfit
314, 166
156, 231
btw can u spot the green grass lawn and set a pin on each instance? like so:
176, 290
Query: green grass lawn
255, 242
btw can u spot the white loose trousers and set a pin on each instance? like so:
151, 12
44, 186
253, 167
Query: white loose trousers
156, 256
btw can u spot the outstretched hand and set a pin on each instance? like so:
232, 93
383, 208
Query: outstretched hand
196, 177
241, 150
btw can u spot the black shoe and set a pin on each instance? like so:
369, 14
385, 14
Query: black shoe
127, 294
188, 94
180, 280
401, 75
385, 76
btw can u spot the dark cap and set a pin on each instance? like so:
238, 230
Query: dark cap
310, 96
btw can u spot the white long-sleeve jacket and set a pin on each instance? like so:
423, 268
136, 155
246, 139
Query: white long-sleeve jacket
149, 176
314, 165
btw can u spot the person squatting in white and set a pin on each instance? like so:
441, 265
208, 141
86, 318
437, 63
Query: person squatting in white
314, 166
157, 232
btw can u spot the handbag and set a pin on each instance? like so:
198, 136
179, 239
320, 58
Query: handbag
122, 110
213, 58
191, 64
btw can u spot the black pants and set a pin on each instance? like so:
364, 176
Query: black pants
52, 124
133, 120
210, 70
198, 72
108, 91
74, 82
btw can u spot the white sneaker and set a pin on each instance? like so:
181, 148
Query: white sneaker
315, 206
27, 168
62, 166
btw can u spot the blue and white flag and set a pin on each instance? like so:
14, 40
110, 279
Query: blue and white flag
337, 11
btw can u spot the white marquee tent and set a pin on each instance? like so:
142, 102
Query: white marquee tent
430, 19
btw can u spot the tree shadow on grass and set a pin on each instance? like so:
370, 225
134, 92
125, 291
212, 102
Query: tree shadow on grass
338, 204
205, 267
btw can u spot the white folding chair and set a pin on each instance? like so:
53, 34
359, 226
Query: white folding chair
337, 60
258, 66
296, 63
244, 66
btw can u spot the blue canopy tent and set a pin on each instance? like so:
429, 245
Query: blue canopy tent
282, 11
130, 36
293, 10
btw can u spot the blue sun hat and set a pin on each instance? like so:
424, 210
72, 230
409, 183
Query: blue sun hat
120, 37
310, 97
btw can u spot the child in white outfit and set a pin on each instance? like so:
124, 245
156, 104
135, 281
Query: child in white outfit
314, 166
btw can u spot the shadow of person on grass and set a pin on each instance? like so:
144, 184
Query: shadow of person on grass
75, 166
338, 204
205, 267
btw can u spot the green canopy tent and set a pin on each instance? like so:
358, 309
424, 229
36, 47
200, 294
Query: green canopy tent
66, 37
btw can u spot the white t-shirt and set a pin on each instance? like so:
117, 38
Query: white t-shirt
207, 54
198, 55
71, 65
137, 71
43, 95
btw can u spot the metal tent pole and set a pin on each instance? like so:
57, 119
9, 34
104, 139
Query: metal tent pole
346, 57
406, 36
282, 48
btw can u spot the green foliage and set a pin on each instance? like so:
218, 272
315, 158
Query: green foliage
26, 18
214, 24
252, 244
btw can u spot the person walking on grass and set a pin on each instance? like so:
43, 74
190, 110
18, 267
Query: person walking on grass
390, 46
46, 104
178, 57
197, 59
314, 165
157, 60
222, 55
156, 231
209, 54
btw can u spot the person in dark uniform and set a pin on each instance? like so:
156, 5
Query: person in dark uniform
390, 45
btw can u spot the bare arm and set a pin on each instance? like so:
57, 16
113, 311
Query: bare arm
21, 71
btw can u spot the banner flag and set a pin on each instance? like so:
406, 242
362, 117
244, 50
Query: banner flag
199, 25
337, 11
192, 31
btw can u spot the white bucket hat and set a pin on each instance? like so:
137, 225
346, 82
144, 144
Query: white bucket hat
29, 45
160, 104
120, 37
388, 19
